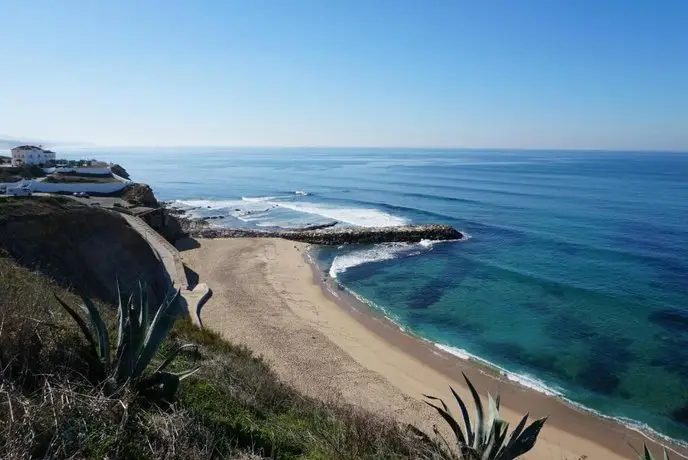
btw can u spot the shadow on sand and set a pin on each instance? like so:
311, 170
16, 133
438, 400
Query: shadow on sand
186, 243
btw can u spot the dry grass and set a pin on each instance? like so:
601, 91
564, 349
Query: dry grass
235, 407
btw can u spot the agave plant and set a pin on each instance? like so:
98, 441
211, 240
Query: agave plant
138, 341
647, 455
487, 438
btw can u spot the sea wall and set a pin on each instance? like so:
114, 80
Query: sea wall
342, 235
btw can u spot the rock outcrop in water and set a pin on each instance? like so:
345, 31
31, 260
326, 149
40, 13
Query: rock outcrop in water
341, 235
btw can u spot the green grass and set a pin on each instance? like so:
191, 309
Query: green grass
16, 173
234, 407
238, 395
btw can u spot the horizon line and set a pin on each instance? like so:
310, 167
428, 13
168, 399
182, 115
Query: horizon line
400, 147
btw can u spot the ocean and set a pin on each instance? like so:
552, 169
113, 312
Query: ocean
574, 280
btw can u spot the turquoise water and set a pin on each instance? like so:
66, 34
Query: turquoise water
574, 280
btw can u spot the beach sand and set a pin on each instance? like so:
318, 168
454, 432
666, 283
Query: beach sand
269, 298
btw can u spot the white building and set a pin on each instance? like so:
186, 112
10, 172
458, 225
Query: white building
31, 155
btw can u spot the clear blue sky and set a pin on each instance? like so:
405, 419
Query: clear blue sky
514, 73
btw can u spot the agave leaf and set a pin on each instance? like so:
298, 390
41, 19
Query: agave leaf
173, 355
466, 417
444, 406
122, 315
492, 413
487, 447
525, 441
156, 333
125, 350
502, 431
81, 323
479, 431
187, 373
648, 455
101, 331
135, 326
133, 341
666, 454
123, 363
143, 310
166, 382
514, 435
460, 438
444, 447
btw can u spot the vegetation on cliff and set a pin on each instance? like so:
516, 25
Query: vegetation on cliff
52, 403
66, 393
82, 247
233, 407
17, 173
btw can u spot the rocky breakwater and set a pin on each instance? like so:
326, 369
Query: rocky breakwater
342, 235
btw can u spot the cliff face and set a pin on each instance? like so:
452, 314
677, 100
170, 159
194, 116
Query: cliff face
81, 247
141, 195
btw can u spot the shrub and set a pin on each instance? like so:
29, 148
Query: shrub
647, 455
138, 341
486, 438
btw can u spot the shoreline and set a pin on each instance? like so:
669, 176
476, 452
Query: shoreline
444, 362
355, 348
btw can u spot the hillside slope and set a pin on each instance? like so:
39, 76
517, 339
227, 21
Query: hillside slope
54, 406
81, 247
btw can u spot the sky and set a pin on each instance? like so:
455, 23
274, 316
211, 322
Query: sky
589, 74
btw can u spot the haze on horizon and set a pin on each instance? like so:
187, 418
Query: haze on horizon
496, 74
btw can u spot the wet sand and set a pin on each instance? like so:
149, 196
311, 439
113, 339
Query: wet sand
269, 298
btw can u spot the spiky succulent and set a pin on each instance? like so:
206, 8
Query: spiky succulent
487, 437
138, 341
647, 455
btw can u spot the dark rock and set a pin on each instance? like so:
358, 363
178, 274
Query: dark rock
319, 226
340, 235
140, 195
120, 171
167, 225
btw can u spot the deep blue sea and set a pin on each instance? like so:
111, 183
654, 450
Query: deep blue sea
574, 280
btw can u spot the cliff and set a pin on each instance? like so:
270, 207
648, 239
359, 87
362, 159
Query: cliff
81, 247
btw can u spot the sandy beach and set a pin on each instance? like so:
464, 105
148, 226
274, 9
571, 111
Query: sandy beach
269, 298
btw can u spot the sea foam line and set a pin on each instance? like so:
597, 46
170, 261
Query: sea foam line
524, 380
535, 384
381, 252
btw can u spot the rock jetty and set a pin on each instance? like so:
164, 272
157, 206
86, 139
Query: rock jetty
341, 235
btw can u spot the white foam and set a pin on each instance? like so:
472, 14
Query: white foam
524, 380
378, 253
255, 199
361, 217
394, 319
246, 211
206, 204
300, 192
535, 384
